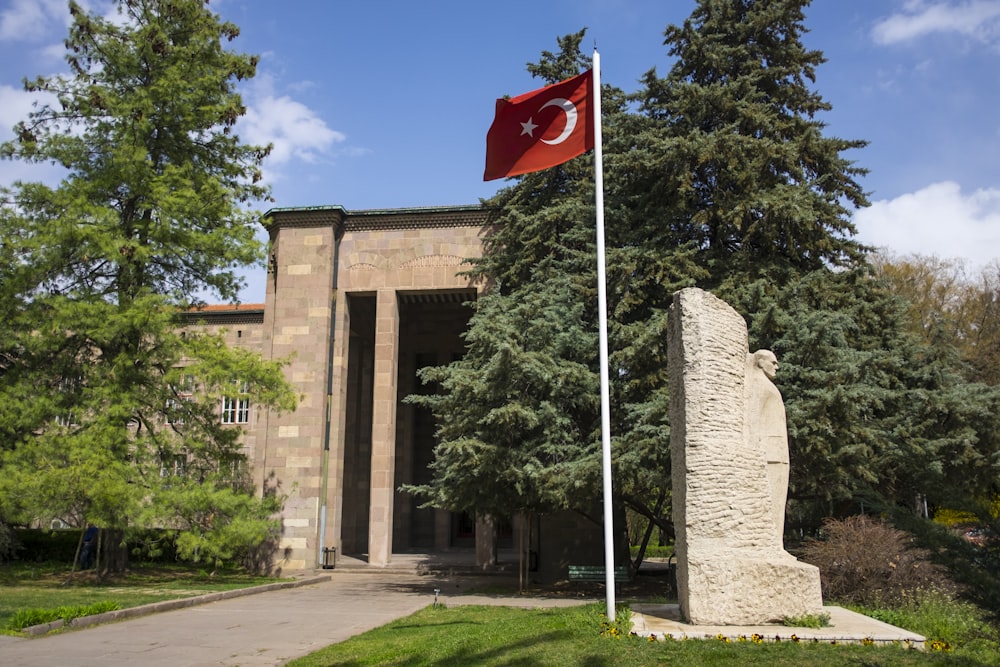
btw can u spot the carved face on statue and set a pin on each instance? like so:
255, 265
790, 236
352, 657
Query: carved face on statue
767, 362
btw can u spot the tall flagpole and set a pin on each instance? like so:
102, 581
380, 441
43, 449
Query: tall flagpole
602, 311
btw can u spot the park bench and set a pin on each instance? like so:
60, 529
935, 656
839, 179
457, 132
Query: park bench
596, 573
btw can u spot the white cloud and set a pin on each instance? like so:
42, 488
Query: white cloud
979, 19
31, 19
937, 220
294, 129
15, 105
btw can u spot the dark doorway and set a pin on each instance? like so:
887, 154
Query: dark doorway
431, 325
358, 424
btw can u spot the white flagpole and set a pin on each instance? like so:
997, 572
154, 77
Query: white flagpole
602, 310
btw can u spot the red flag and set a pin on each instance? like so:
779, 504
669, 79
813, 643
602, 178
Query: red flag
541, 129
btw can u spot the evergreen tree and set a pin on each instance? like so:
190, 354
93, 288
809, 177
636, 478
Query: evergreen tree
98, 413
519, 414
720, 176
877, 417
723, 177
744, 170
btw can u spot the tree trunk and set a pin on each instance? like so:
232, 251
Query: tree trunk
112, 552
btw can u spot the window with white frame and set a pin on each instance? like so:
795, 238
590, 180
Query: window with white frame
173, 465
236, 406
175, 408
68, 418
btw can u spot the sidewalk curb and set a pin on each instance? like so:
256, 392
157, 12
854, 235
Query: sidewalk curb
168, 605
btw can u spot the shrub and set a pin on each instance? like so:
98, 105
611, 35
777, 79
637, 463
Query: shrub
41, 545
48, 545
975, 567
865, 561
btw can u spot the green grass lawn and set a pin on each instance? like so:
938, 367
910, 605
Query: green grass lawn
51, 585
573, 636
510, 636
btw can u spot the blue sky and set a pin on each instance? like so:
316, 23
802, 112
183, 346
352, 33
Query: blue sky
384, 104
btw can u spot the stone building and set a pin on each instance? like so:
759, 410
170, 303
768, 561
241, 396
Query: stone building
357, 301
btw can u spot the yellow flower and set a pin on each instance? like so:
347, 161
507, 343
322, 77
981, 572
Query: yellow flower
938, 645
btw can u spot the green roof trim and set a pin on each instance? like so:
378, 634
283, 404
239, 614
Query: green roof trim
304, 209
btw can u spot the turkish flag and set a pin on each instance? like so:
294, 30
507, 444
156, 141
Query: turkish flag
541, 129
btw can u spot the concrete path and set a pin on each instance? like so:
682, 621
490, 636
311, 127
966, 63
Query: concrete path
266, 629
275, 626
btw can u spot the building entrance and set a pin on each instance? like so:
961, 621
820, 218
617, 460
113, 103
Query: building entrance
430, 326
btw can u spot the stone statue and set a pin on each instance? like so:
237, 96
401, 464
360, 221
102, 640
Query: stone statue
766, 428
729, 456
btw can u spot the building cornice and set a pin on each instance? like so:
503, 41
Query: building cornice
337, 216
240, 313
304, 216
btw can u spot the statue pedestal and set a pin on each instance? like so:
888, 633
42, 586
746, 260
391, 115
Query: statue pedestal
746, 591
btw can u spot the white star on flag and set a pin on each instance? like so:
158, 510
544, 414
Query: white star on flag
528, 128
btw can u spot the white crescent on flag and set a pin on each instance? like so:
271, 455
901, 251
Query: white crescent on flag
571, 115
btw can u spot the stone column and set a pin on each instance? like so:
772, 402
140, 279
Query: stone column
338, 419
403, 531
297, 327
383, 428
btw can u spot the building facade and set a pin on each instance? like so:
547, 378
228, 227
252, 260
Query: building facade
356, 302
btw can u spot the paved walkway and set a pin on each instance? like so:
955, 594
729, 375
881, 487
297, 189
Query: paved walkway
273, 627
266, 629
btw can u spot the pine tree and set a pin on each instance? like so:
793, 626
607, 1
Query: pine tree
748, 177
519, 414
150, 215
878, 418
519, 427
720, 176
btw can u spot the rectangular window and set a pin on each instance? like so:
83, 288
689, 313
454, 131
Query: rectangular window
174, 411
236, 407
69, 417
173, 465
175, 408
186, 388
